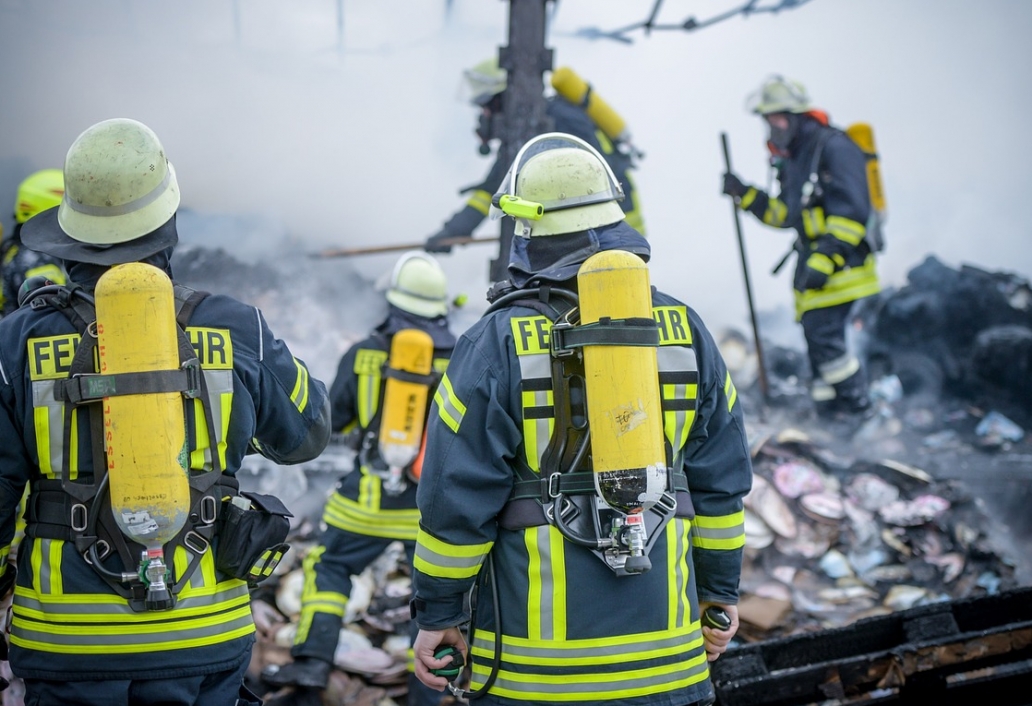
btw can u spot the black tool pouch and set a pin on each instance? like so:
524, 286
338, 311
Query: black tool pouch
251, 541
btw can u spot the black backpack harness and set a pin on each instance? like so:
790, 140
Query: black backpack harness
79, 512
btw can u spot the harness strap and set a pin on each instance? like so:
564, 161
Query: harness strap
605, 332
90, 387
405, 376
73, 511
575, 483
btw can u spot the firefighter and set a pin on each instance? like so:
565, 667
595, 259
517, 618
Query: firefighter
824, 197
487, 82
39, 191
372, 508
571, 605
91, 624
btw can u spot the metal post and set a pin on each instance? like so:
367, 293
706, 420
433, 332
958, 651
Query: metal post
525, 59
762, 368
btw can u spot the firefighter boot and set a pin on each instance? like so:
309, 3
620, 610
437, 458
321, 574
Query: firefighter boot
303, 671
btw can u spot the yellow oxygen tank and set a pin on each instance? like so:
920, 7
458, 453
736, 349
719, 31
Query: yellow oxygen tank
622, 386
863, 135
404, 403
145, 433
573, 88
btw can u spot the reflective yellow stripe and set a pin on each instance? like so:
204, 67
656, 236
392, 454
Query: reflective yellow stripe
450, 408
846, 229
314, 601
481, 201
50, 620
776, 212
813, 221
747, 200
451, 561
724, 532
842, 287
730, 392
299, 395
677, 660
368, 366
679, 609
546, 582
51, 271
821, 263
371, 521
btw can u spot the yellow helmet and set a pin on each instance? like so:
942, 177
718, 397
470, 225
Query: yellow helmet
485, 80
418, 285
557, 184
40, 191
119, 184
780, 95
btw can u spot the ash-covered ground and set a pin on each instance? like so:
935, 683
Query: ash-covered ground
926, 502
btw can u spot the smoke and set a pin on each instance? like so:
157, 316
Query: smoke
338, 123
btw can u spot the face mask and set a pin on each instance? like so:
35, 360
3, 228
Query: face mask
782, 137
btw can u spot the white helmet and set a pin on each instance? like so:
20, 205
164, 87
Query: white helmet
118, 184
557, 184
780, 95
418, 285
485, 80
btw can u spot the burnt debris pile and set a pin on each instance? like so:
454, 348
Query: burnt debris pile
831, 539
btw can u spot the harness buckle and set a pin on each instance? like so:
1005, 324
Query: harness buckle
553, 486
79, 517
667, 502
208, 509
557, 340
192, 368
195, 542
103, 549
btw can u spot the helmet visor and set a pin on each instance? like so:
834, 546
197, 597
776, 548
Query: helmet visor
545, 143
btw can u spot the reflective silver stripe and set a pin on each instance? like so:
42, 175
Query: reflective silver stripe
536, 367
449, 407
633, 665
642, 646
677, 539
130, 637
43, 398
348, 515
532, 687
425, 554
122, 209
846, 229
718, 532
840, 369
540, 569
113, 609
218, 382
261, 341
821, 391
3, 374
677, 359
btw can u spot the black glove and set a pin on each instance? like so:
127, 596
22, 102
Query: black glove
813, 279
733, 186
434, 244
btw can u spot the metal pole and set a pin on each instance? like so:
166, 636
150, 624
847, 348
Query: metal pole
349, 252
525, 60
762, 368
